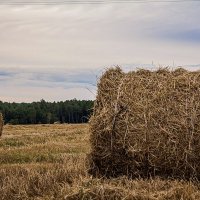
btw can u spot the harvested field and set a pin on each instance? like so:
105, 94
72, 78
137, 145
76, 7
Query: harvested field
147, 124
48, 162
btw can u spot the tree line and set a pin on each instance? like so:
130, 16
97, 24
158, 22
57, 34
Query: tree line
69, 111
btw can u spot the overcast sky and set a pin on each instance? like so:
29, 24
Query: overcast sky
56, 52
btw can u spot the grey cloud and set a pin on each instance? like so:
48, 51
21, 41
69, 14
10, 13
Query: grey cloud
178, 23
6, 74
187, 36
42, 77
22, 84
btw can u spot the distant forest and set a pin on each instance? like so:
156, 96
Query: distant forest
70, 111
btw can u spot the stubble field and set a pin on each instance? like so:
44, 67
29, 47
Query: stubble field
48, 162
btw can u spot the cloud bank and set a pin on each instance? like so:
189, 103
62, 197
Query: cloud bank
27, 85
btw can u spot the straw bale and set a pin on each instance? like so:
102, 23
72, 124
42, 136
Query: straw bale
146, 123
1, 124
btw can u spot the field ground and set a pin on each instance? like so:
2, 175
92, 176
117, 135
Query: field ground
48, 162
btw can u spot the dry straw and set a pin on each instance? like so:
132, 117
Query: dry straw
1, 124
146, 124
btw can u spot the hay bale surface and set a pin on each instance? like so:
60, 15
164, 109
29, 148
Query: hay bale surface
146, 124
1, 124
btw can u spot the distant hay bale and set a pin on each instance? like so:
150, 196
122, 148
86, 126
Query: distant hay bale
146, 123
57, 122
1, 124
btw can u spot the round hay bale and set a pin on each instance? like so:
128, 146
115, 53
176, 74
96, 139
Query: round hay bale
146, 123
1, 124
